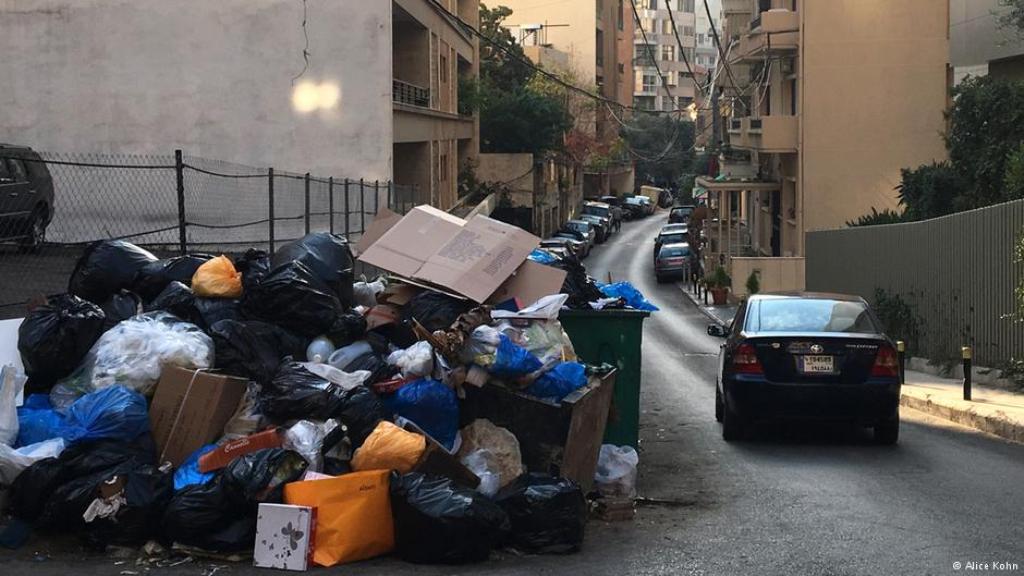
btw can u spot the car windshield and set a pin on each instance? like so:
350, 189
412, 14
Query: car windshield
810, 315
684, 211
675, 251
672, 238
595, 210
579, 226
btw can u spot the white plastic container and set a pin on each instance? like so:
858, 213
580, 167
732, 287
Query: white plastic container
319, 350
344, 356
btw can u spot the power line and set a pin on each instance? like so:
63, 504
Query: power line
721, 53
650, 52
682, 49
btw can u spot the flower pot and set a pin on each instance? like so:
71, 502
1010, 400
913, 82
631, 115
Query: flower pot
718, 296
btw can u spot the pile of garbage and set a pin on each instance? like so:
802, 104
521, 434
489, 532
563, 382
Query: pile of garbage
215, 405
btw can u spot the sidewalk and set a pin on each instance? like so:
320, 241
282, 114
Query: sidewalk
991, 410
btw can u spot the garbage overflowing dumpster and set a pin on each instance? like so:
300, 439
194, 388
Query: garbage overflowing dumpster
203, 405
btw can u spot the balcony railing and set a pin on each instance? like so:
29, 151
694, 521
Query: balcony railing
411, 94
766, 134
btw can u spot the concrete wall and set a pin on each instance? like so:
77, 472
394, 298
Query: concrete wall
212, 78
514, 169
774, 274
577, 37
872, 97
975, 38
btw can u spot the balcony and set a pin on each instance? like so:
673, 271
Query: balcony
772, 33
411, 94
772, 134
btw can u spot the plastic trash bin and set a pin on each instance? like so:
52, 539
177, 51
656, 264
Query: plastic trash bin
615, 337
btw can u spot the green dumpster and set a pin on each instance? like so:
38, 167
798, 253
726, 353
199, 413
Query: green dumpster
615, 337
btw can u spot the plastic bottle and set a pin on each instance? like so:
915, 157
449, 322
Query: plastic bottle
344, 356
319, 350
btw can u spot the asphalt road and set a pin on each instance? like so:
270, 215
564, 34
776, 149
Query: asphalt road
819, 500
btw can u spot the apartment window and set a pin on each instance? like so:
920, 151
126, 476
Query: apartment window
622, 68
647, 4
642, 55
686, 5
700, 38
687, 31
666, 26
621, 17
650, 82
672, 78
600, 48
668, 53
643, 102
443, 67
669, 103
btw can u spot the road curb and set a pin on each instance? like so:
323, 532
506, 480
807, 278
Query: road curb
703, 310
996, 422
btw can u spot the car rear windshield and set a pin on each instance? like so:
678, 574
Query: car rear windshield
595, 210
675, 252
810, 315
672, 238
580, 226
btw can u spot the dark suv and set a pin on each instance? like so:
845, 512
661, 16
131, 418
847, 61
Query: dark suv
26, 197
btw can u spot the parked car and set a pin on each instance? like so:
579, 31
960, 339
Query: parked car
604, 210
602, 226
578, 242
647, 203
807, 356
585, 228
673, 261
674, 228
26, 197
681, 213
636, 205
559, 247
671, 237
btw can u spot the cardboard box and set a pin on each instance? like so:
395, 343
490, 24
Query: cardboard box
225, 453
530, 282
284, 537
469, 258
190, 409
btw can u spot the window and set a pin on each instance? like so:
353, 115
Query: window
17, 170
5, 172
443, 66
642, 55
647, 4
668, 53
687, 31
600, 48
700, 38
792, 97
671, 78
442, 168
650, 82
686, 5
622, 68
643, 102
621, 17
810, 315
666, 26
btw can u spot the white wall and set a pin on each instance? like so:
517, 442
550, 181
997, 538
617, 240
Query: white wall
213, 77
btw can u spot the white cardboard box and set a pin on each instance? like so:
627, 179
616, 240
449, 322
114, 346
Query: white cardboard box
284, 537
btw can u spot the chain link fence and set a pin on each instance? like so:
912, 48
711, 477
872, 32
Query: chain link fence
169, 204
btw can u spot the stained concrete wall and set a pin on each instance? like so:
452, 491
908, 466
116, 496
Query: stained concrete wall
212, 78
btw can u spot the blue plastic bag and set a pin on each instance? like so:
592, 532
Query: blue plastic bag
542, 257
512, 360
629, 293
188, 473
431, 405
114, 412
37, 420
559, 382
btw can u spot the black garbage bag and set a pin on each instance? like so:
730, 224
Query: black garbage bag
220, 515
178, 299
55, 337
106, 267
253, 349
329, 258
253, 266
580, 287
120, 306
292, 297
435, 311
439, 522
213, 310
54, 493
375, 364
361, 410
155, 276
147, 491
548, 514
347, 328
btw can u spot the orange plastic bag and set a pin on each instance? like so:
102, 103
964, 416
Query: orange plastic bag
353, 515
217, 278
389, 447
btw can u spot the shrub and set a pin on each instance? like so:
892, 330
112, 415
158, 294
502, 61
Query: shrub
753, 284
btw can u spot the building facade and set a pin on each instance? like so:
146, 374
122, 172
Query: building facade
807, 146
228, 80
661, 51
977, 44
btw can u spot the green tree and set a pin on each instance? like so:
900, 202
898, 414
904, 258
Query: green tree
521, 121
1013, 180
662, 146
1013, 18
504, 68
986, 125
886, 216
931, 190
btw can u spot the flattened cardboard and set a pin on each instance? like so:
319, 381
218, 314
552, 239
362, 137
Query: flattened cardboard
382, 222
190, 409
407, 245
530, 282
470, 258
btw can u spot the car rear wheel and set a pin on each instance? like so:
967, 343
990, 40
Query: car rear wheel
35, 232
733, 427
888, 433
719, 407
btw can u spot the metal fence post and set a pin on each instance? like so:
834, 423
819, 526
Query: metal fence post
346, 208
307, 201
362, 207
966, 354
179, 171
270, 196
901, 355
390, 188
330, 201
376, 198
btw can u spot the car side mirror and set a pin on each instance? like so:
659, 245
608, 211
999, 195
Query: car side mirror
717, 331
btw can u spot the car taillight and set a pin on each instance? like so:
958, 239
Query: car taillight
744, 360
887, 364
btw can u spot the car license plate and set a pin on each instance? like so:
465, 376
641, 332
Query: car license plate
816, 364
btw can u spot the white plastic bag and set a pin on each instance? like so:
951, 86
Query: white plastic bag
485, 465
12, 381
136, 350
366, 292
481, 346
482, 435
415, 361
347, 380
616, 471
12, 461
307, 439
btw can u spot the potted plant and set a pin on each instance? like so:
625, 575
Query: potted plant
753, 284
718, 284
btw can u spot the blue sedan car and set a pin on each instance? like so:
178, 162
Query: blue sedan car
807, 356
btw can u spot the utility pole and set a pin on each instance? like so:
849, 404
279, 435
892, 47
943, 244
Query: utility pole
715, 119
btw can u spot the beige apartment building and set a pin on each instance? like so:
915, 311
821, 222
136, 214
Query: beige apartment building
433, 141
662, 52
592, 40
834, 99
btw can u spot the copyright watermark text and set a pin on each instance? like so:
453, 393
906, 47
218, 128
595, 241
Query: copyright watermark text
985, 566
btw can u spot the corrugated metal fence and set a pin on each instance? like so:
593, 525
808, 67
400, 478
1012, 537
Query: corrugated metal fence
957, 273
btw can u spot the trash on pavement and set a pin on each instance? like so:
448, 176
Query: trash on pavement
327, 256
548, 515
55, 337
14, 461
430, 405
365, 293
115, 412
629, 293
616, 471
294, 298
389, 447
438, 522
106, 267
353, 515
225, 453
484, 464
284, 537
190, 472
415, 361
253, 349
307, 439
154, 277
121, 306
217, 278
320, 349
190, 409
12, 383
502, 445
